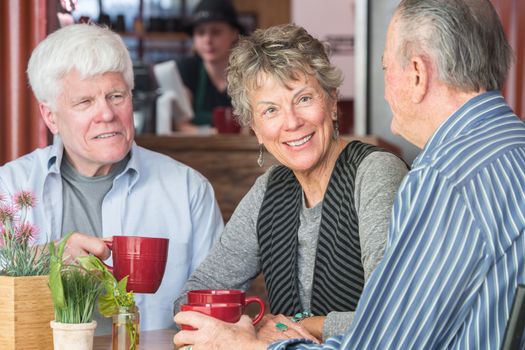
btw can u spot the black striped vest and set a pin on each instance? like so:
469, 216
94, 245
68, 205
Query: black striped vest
338, 273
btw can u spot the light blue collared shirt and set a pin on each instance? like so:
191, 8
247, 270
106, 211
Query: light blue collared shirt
456, 247
154, 196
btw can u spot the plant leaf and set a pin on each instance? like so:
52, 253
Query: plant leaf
55, 267
107, 305
122, 286
115, 292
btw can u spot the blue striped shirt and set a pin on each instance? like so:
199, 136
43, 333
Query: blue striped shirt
456, 242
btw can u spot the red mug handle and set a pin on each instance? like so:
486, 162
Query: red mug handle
109, 244
254, 299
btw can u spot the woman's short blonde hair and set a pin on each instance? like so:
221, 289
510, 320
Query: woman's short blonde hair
283, 52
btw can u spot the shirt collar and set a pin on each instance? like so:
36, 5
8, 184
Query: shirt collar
131, 173
57, 151
469, 115
55, 156
134, 165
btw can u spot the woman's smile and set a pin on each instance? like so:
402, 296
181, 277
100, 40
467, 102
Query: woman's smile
299, 142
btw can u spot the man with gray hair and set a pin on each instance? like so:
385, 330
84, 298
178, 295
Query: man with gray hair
94, 180
456, 244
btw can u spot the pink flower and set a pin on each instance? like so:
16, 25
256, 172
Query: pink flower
24, 199
26, 232
7, 213
2, 197
18, 257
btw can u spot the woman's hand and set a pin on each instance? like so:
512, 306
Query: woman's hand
267, 331
314, 325
214, 334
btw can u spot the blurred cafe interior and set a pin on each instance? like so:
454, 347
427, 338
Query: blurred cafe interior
153, 31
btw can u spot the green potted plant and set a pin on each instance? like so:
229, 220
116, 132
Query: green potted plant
75, 288
117, 303
75, 291
25, 300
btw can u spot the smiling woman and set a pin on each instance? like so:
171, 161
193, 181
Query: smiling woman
295, 124
316, 224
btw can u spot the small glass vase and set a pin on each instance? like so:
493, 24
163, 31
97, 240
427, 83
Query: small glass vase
125, 330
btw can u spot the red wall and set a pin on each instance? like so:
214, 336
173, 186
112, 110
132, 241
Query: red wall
22, 26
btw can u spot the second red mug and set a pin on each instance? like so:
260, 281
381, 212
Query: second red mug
214, 296
227, 312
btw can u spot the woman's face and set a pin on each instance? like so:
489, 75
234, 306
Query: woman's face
214, 40
294, 122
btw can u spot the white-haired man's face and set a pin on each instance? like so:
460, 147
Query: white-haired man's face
94, 118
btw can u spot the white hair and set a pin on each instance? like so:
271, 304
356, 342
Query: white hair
88, 49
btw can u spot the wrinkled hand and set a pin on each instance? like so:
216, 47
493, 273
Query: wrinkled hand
268, 332
214, 334
80, 244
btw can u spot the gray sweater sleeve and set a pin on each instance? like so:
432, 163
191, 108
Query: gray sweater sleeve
233, 262
377, 180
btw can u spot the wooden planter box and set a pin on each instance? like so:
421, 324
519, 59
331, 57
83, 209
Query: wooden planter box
26, 310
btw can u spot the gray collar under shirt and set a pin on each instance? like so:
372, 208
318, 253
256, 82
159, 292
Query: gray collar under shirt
82, 198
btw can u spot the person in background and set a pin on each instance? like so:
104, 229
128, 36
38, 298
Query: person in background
215, 29
94, 180
315, 225
456, 244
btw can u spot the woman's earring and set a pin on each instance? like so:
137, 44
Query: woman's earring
260, 159
335, 132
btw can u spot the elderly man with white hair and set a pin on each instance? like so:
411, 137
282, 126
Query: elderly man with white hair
94, 180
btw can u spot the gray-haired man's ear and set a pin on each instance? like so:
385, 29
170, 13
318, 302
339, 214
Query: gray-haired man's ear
420, 71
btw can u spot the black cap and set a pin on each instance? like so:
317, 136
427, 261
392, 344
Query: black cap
213, 10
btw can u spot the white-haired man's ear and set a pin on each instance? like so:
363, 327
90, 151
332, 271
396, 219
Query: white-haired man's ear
49, 117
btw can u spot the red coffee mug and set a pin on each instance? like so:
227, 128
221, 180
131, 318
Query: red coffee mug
214, 296
142, 259
227, 312
224, 121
